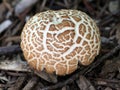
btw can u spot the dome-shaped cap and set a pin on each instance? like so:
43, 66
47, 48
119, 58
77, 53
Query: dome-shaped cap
56, 41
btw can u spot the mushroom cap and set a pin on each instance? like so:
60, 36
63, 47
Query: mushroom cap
56, 41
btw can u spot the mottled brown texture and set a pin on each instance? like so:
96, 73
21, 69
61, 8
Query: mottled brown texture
57, 41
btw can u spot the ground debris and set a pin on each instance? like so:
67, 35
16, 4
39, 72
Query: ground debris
84, 84
102, 74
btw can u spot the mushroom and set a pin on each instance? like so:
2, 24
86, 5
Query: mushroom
56, 41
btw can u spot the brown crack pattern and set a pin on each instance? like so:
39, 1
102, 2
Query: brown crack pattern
57, 40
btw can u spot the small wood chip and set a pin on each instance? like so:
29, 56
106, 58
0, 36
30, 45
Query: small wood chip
84, 84
32, 82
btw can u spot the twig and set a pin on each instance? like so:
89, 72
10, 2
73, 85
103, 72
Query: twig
103, 9
23, 5
66, 4
89, 7
99, 61
30, 85
113, 83
84, 72
108, 19
9, 49
76, 4
9, 7
18, 84
43, 5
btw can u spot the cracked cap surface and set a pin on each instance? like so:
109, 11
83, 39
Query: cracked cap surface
56, 41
